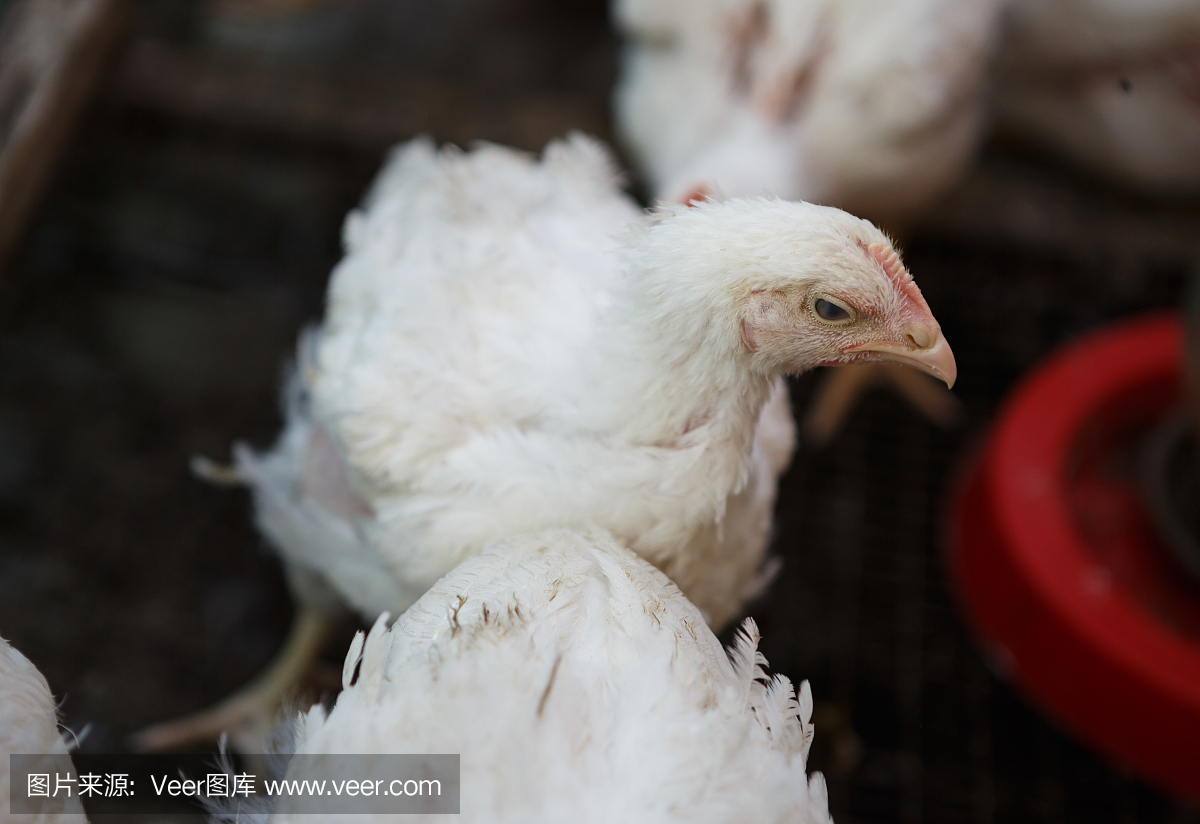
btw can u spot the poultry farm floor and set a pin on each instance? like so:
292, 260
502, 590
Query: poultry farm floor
160, 290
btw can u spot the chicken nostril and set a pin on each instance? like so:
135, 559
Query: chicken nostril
919, 337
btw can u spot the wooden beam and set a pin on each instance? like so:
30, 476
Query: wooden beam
353, 108
51, 54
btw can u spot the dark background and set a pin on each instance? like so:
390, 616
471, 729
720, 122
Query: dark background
187, 236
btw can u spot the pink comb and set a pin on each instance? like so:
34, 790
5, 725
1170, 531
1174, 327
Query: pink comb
889, 262
697, 194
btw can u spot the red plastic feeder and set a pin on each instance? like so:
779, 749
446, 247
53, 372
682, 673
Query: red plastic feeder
1059, 567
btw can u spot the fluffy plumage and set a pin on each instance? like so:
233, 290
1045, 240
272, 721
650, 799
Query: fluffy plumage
1114, 84
871, 105
28, 726
563, 665
512, 345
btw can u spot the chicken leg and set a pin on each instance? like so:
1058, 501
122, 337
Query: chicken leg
250, 715
841, 388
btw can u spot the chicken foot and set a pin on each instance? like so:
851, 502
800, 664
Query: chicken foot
250, 715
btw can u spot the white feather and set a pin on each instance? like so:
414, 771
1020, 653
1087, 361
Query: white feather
1113, 84
28, 726
871, 105
578, 684
511, 345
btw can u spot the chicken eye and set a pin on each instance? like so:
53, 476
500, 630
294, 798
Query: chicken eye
828, 310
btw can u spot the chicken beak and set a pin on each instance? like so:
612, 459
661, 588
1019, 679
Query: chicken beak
935, 359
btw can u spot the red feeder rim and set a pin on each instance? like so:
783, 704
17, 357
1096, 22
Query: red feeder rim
1053, 611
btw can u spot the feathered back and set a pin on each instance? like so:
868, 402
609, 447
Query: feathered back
562, 664
495, 247
871, 106
1112, 84
497, 358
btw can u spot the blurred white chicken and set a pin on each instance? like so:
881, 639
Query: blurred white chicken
1113, 84
29, 726
874, 106
578, 684
512, 345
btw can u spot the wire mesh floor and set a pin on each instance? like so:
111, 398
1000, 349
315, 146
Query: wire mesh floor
161, 289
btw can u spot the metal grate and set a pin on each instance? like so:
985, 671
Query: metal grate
915, 728
174, 248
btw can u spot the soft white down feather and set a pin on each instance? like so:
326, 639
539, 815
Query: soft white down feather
1113, 84
28, 726
875, 106
577, 684
511, 345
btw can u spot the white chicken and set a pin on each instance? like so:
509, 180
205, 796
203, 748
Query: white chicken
29, 726
512, 345
875, 106
1113, 84
577, 684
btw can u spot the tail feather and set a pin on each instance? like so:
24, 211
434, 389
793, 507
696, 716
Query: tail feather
818, 800
747, 661
376, 649
352, 659
785, 715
